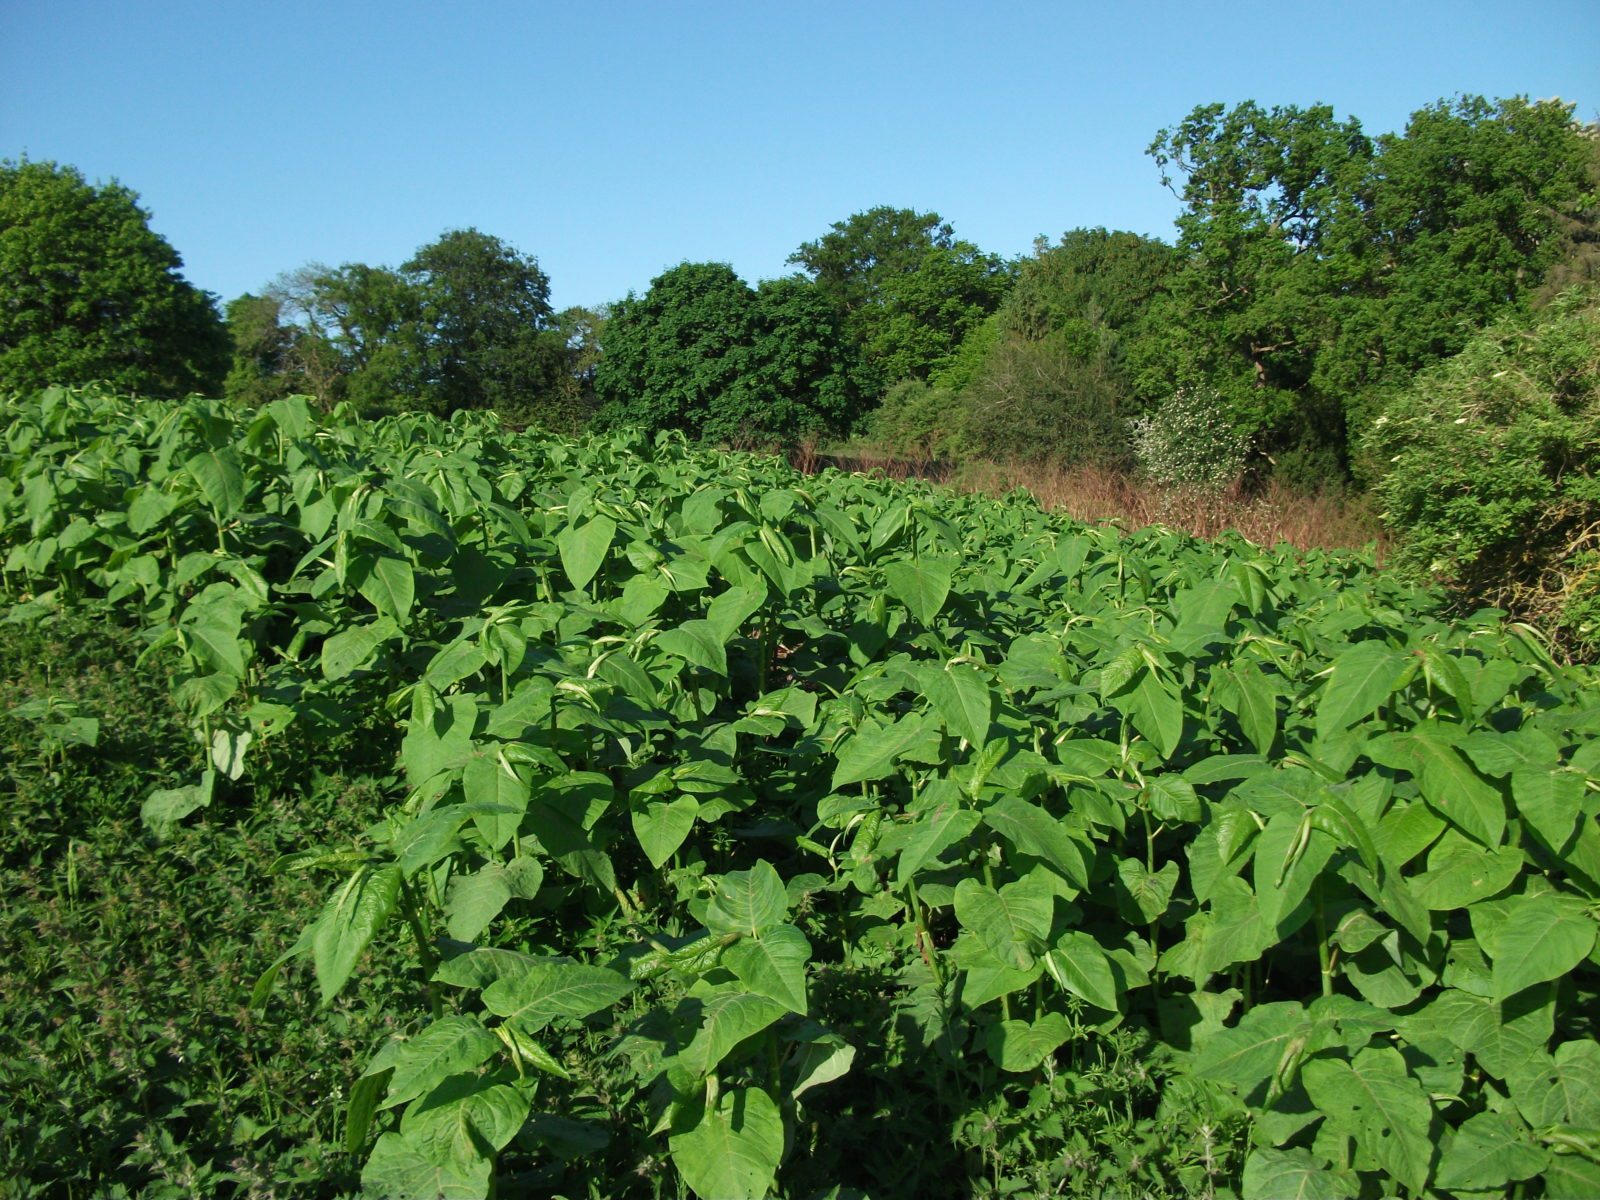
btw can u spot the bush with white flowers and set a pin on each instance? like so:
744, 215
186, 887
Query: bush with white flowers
1189, 441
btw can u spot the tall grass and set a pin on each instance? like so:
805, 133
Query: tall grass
1266, 515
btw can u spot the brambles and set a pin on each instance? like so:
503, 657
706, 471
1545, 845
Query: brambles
757, 832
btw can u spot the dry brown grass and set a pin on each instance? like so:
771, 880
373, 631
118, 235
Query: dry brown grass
1266, 517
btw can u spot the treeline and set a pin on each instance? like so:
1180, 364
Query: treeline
1315, 270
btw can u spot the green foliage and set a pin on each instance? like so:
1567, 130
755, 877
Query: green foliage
824, 833
1490, 468
93, 293
702, 354
1321, 268
906, 290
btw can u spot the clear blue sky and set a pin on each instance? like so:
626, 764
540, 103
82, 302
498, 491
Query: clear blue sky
612, 140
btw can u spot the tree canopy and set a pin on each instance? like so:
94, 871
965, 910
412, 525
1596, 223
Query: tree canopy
93, 293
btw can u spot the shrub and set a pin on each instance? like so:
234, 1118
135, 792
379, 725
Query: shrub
1189, 441
1493, 469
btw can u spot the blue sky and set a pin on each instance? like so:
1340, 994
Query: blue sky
613, 140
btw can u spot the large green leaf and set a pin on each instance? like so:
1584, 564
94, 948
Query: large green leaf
697, 642
351, 648
733, 1153
220, 473
1020, 1046
1374, 1100
399, 1169
748, 902
873, 752
1559, 1089
388, 583
463, 1120
451, 1045
1294, 1175
1034, 831
773, 964
353, 914
1489, 1151
922, 586
1361, 679
551, 990
727, 1018
1012, 923
943, 822
1078, 963
961, 696
475, 900
1267, 1044
662, 825
583, 548
1542, 938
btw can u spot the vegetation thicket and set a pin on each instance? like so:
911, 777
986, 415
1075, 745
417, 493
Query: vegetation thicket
722, 831
91, 292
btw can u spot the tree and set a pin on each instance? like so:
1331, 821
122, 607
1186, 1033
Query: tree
484, 325
262, 345
465, 323
93, 293
703, 353
905, 289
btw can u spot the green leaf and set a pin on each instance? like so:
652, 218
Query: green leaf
1571, 1177
1034, 831
872, 753
449, 1046
1020, 1047
961, 696
1541, 938
727, 1019
1362, 678
922, 586
1461, 872
1551, 802
941, 824
697, 642
748, 902
165, 807
1488, 1152
1172, 798
1458, 793
553, 989
729, 611
1079, 964
475, 900
1373, 1100
220, 474
399, 1170
822, 1059
1294, 1175
1267, 1044
344, 652
733, 1153
773, 964
388, 583
661, 826
1563, 1089
465, 1121
1150, 891
1155, 707
583, 548
1289, 858
1012, 923
348, 922
488, 781
1256, 705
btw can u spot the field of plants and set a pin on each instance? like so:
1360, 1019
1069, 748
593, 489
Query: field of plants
613, 818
